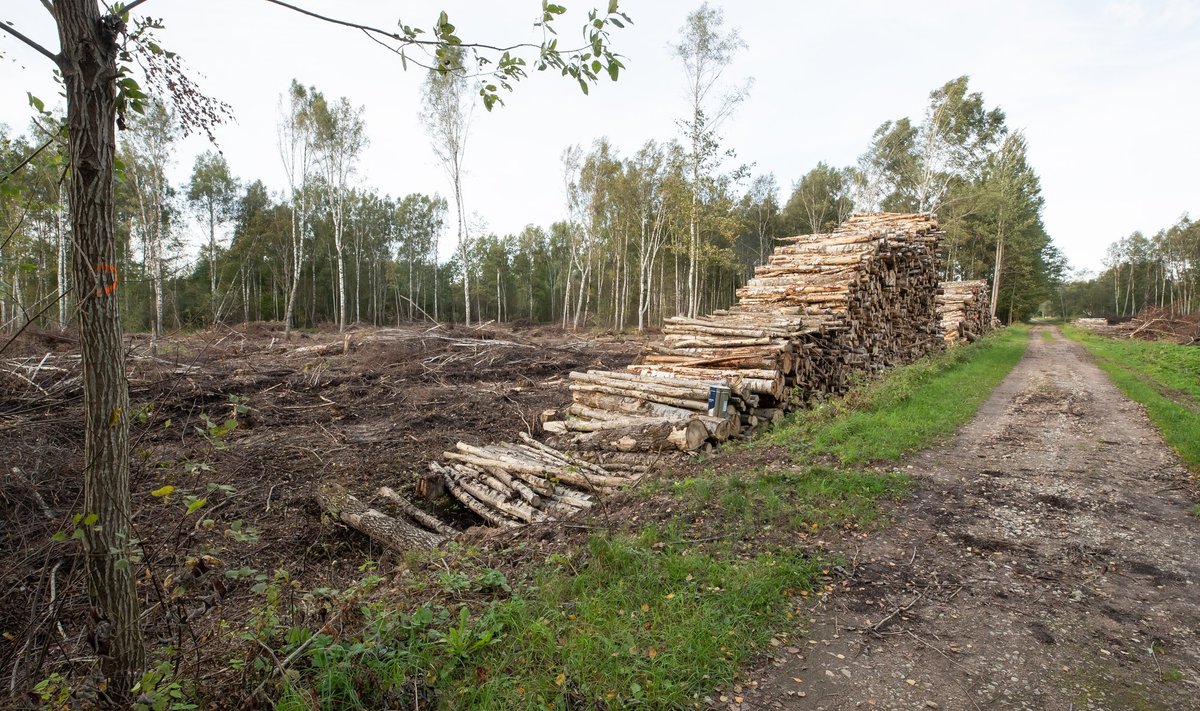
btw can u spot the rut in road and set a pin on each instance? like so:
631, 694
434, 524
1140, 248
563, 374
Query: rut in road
1047, 561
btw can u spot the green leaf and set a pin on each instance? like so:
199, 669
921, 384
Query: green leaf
196, 505
163, 491
36, 103
58, 537
612, 7
90, 519
121, 564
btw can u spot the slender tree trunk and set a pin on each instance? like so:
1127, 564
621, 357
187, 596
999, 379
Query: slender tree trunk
245, 297
566, 309
20, 314
410, 285
463, 250
88, 65
298, 213
1117, 288
157, 278
341, 271
358, 280
996, 270
212, 261
434, 263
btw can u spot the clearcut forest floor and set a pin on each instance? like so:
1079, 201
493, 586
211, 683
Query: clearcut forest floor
369, 415
1048, 560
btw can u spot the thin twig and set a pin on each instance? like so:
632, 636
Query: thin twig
905, 608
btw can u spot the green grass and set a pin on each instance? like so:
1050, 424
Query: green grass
801, 498
907, 409
1195, 511
1162, 376
1047, 337
648, 620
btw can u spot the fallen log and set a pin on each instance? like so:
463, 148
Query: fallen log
410, 510
394, 533
478, 507
663, 436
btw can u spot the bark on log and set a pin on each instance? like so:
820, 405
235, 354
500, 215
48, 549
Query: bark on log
394, 533
482, 510
663, 436
426, 520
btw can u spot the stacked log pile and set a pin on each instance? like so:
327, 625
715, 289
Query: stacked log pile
965, 310
861, 298
528, 482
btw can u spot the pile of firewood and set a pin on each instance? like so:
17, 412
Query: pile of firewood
965, 310
506, 485
865, 294
824, 306
861, 298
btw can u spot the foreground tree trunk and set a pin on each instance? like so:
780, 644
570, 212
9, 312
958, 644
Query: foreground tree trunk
88, 64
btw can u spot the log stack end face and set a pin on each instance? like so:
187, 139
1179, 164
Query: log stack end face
964, 310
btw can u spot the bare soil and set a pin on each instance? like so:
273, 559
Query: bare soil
370, 413
1047, 561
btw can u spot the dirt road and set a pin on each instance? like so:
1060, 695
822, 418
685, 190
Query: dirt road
1047, 561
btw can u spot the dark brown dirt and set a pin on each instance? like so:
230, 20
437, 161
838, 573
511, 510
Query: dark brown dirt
372, 415
1048, 561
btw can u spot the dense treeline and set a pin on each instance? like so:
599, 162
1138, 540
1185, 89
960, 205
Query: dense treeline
1156, 271
647, 232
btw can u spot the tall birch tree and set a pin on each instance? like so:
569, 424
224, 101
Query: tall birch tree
706, 50
447, 114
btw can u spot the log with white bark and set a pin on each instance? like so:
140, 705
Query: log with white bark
425, 519
664, 435
487, 513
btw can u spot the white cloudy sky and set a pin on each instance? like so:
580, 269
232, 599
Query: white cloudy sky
1105, 91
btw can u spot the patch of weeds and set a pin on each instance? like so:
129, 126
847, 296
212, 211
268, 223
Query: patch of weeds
629, 620
1047, 337
1195, 511
908, 408
644, 620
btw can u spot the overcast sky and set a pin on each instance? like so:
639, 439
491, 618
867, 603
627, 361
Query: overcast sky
1106, 93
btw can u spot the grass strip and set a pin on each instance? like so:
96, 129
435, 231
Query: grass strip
649, 620
1163, 377
909, 408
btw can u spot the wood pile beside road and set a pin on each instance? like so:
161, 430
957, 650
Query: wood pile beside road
965, 310
824, 306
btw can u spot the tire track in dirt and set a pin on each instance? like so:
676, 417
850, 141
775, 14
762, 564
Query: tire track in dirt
1047, 561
